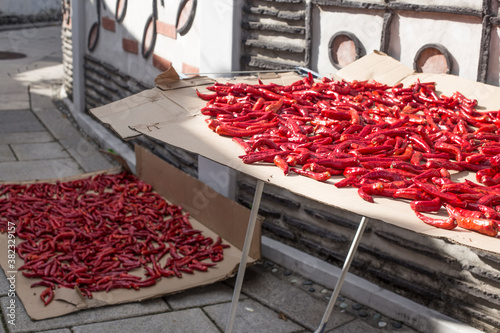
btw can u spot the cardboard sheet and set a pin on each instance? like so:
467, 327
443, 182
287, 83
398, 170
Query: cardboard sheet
191, 133
210, 212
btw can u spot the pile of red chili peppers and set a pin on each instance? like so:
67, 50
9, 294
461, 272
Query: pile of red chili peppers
91, 233
393, 141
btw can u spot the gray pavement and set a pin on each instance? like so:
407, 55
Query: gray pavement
38, 141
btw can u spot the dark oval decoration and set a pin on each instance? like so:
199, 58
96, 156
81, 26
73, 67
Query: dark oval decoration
149, 36
433, 58
185, 16
93, 37
121, 10
344, 48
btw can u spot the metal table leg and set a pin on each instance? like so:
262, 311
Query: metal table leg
244, 255
345, 268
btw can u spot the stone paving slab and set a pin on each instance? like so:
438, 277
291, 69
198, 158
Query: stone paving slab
83, 317
201, 296
192, 320
292, 301
41, 169
19, 121
26, 137
38, 151
355, 326
2, 330
251, 317
4, 285
6, 154
63, 330
85, 152
19, 101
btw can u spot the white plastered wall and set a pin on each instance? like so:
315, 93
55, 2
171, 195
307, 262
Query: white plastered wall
365, 25
460, 35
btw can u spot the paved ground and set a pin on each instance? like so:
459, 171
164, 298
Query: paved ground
38, 141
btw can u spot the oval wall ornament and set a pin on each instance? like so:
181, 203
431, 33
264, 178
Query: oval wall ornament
149, 36
93, 37
185, 16
344, 48
121, 10
433, 58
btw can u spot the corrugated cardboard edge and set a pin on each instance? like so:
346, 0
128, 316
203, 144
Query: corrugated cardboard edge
202, 202
170, 79
68, 300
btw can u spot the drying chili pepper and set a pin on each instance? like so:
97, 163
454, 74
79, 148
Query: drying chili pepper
449, 223
487, 227
404, 137
426, 205
47, 295
90, 233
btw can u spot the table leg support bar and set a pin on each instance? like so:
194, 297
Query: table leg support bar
244, 255
345, 268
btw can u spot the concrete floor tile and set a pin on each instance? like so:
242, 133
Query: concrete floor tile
2, 330
15, 101
38, 151
41, 169
6, 154
193, 320
251, 317
53, 119
62, 330
295, 303
13, 121
87, 154
26, 137
4, 284
201, 296
83, 317
355, 326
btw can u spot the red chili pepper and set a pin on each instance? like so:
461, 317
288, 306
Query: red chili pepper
426, 205
281, 163
487, 227
449, 223
320, 176
47, 296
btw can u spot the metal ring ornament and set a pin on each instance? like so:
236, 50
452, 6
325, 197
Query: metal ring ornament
441, 49
358, 47
93, 37
187, 25
120, 10
146, 52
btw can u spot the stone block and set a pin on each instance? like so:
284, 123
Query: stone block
103, 314
192, 320
6, 154
201, 296
26, 137
39, 151
251, 317
39, 169
14, 121
293, 302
